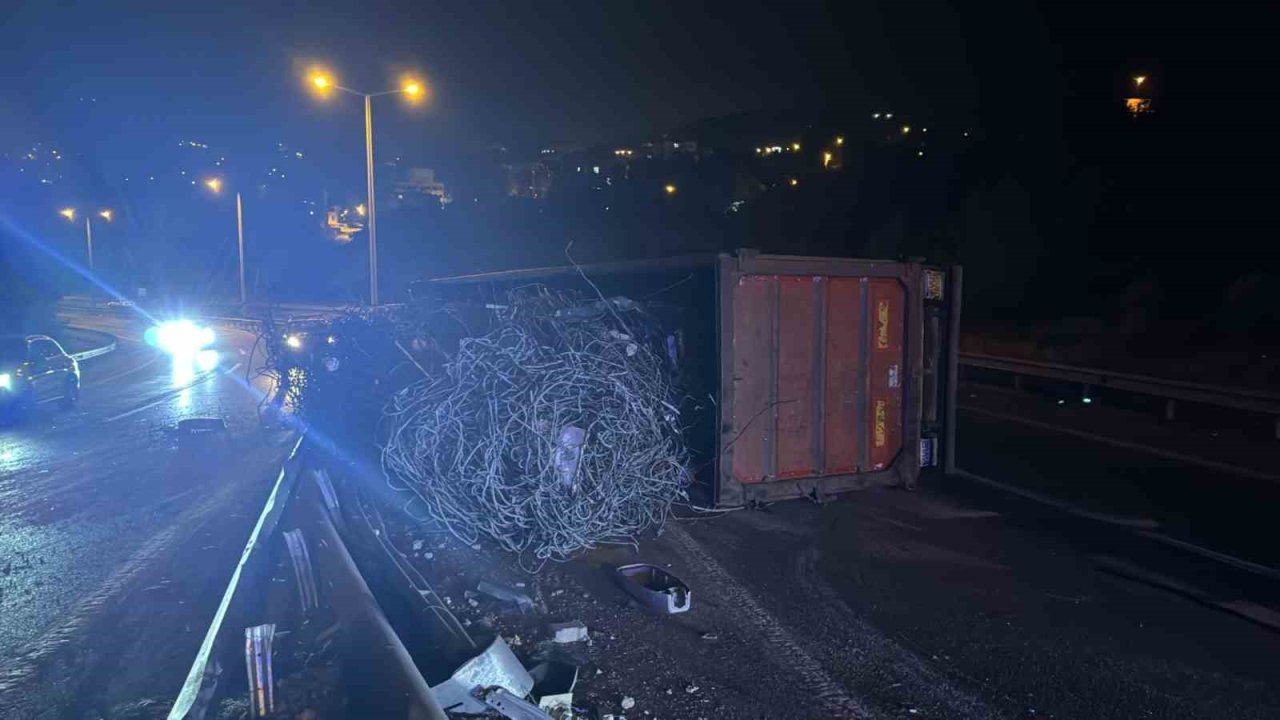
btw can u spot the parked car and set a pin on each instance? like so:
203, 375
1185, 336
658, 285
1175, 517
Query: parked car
35, 368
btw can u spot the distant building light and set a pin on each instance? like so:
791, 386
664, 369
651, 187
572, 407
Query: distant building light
1137, 106
966, 133
906, 129
669, 189
888, 116
1138, 80
920, 154
795, 147
875, 116
793, 182
839, 140
924, 129
298, 155
759, 150
595, 169
826, 159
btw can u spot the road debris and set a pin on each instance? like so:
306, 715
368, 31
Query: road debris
513, 707
545, 434
497, 666
553, 684
500, 592
257, 655
656, 588
628, 703
569, 632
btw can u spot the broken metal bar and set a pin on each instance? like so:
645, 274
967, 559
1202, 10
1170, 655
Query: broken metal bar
302, 570
257, 656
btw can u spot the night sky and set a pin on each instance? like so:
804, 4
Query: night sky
555, 72
117, 84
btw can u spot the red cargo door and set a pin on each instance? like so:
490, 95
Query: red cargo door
885, 301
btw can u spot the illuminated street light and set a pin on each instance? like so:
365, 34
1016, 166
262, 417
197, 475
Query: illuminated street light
215, 186
826, 159
360, 210
795, 147
839, 140
70, 214
1138, 80
411, 88
793, 182
669, 189
906, 129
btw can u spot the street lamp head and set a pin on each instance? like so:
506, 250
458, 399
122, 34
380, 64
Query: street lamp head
1138, 80
321, 82
106, 215
214, 184
412, 88
669, 189
360, 210
68, 213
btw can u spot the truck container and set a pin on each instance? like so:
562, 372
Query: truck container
804, 376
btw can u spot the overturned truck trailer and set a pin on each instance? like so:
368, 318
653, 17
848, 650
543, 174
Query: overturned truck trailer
804, 376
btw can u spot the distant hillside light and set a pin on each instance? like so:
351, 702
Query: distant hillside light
826, 159
68, 213
669, 189
839, 140
794, 182
105, 215
214, 184
795, 147
1138, 80
906, 129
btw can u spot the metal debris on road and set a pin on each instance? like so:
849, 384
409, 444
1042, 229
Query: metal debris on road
546, 433
500, 592
628, 703
658, 589
497, 666
513, 707
569, 632
257, 655
303, 573
553, 684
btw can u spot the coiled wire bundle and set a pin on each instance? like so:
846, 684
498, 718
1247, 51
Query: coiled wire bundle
555, 431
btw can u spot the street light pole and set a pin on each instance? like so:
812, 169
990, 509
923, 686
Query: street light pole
88, 239
411, 88
240, 238
373, 216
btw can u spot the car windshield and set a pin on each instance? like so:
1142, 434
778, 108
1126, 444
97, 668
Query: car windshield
12, 350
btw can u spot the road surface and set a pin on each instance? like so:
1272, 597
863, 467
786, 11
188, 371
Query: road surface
957, 600
97, 504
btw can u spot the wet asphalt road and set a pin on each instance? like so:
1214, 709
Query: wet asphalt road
953, 601
91, 498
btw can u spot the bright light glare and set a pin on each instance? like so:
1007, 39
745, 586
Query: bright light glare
321, 82
293, 341
105, 215
795, 147
6, 381
360, 210
839, 140
207, 360
214, 184
669, 189
180, 337
412, 88
68, 213
1138, 80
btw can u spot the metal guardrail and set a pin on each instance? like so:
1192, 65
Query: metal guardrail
95, 352
1234, 398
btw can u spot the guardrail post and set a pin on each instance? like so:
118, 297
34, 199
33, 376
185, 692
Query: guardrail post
1169, 406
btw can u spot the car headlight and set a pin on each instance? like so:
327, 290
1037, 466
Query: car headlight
6, 381
180, 337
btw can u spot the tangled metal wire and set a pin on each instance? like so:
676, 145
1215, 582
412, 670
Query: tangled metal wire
555, 431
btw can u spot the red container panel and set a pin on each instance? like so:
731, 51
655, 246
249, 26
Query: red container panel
843, 375
886, 301
754, 303
798, 351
